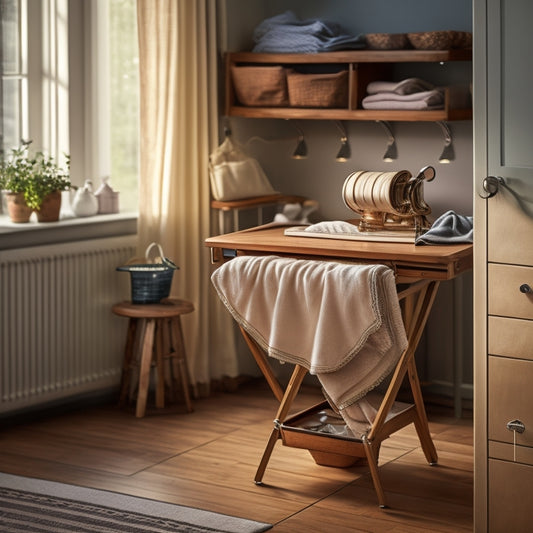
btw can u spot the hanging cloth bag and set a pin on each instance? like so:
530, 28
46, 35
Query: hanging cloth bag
235, 175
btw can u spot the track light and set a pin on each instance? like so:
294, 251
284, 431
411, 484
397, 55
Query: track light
448, 152
392, 151
300, 151
344, 152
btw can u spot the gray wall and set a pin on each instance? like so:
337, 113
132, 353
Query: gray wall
320, 177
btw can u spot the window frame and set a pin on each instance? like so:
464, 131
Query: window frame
68, 107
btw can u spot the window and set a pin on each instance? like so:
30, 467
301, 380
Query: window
70, 83
14, 85
124, 99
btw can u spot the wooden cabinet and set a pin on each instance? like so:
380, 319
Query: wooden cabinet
503, 268
362, 67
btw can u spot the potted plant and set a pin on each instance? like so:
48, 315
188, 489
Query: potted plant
33, 183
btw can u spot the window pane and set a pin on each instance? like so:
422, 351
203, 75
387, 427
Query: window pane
14, 79
124, 91
9, 13
11, 89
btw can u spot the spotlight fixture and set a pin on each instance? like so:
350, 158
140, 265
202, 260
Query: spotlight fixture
448, 152
392, 151
300, 151
344, 152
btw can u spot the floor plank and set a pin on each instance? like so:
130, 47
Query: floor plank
208, 459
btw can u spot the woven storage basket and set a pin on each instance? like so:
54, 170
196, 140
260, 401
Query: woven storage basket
431, 40
318, 90
461, 39
260, 86
150, 281
387, 41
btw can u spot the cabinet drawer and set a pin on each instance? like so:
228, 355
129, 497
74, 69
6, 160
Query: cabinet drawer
510, 397
510, 489
511, 337
509, 227
505, 297
508, 452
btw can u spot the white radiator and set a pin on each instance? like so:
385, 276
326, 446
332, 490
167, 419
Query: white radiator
58, 336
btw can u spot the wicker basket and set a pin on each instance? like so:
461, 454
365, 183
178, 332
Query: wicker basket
387, 41
260, 86
431, 40
440, 40
461, 39
150, 281
318, 90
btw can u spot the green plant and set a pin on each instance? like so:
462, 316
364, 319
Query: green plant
35, 177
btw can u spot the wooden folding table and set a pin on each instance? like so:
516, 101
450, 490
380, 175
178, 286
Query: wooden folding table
419, 271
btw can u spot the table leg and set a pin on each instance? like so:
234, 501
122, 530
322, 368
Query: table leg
416, 328
262, 361
418, 306
291, 391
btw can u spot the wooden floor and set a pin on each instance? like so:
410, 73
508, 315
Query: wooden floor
207, 459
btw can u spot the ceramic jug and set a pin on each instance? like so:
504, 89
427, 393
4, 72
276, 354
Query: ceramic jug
85, 203
107, 198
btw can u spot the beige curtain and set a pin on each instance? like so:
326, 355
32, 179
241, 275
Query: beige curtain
178, 97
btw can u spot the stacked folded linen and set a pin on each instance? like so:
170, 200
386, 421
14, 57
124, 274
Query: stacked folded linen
407, 86
409, 94
286, 33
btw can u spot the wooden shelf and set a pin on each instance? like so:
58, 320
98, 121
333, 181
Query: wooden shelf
350, 114
356, 56
363, 67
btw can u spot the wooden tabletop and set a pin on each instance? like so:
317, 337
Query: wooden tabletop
410, 261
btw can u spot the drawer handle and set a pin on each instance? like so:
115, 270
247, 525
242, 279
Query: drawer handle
526, 289
516, 426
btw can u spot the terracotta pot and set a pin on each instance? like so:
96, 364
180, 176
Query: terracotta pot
18, 211
49, 210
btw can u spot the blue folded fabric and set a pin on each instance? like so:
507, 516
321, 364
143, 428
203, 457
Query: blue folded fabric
449, 228
286, 33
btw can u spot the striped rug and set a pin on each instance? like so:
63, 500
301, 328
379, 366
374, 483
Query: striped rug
38, 506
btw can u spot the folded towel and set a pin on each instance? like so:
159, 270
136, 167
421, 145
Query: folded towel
287, 33
449, 228
407, 86
333, 227
435, 96
341, 321
422, 100
415, 105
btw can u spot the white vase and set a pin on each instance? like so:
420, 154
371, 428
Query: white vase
85, 203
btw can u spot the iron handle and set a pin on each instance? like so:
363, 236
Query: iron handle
491, 185
526, 289
516, 425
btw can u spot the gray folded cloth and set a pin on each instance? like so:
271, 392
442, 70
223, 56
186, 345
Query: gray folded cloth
449, 228
286, 33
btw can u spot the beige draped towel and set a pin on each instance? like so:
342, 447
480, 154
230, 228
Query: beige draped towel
341, 321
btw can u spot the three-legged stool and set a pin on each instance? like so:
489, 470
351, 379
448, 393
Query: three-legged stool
154, 338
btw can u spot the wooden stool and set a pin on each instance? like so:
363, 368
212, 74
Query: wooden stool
154, 338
